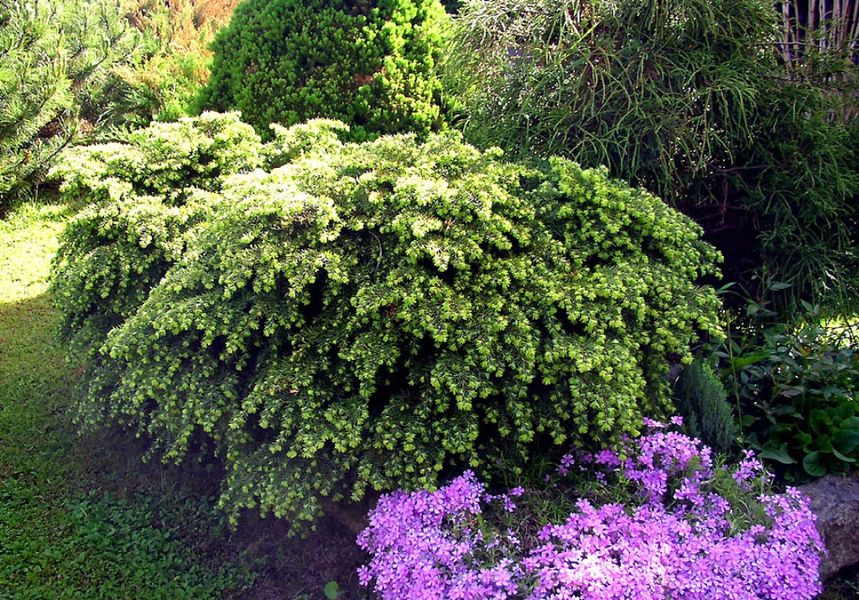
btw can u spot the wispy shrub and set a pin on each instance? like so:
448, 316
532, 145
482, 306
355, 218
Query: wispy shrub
798, 184
691, 99
659, 92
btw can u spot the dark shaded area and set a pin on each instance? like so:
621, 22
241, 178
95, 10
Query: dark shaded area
285, 567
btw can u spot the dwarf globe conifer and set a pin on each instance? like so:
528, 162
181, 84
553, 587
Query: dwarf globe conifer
372, 64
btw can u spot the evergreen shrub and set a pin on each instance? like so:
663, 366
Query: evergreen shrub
370, 64
372, 315
142, 195
55, 59
703, 404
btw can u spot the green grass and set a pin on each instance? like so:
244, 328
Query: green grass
82, 517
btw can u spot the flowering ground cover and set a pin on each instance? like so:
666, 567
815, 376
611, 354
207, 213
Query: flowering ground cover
660, 519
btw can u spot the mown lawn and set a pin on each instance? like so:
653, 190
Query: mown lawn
82, 517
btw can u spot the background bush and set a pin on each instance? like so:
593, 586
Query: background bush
55, 58
369, 315
165, 83
370, 64
660, 92
796, 386
691, 99
795, 187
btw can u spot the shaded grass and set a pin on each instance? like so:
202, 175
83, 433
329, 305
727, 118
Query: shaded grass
72, 524
84, 516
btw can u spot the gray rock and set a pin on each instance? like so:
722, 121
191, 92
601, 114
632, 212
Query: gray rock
835, 501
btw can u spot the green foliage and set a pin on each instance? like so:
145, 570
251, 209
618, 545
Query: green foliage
165, 83
370, 64
690, 99
143, 195
657, 91
702, 402
332, 590
54, 60
798, 180
370, 314
798, 388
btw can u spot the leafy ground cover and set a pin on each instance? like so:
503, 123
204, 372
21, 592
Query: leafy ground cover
66, 530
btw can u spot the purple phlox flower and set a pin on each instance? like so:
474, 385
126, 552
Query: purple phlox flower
567, 462
608, 458
750, 468
679, 538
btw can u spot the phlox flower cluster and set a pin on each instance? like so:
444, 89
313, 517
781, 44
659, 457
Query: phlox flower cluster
424, 546
678, 538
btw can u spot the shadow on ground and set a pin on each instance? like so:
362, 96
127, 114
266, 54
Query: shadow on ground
83, 516
285, 567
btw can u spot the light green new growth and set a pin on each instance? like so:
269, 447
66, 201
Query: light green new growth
368, 315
